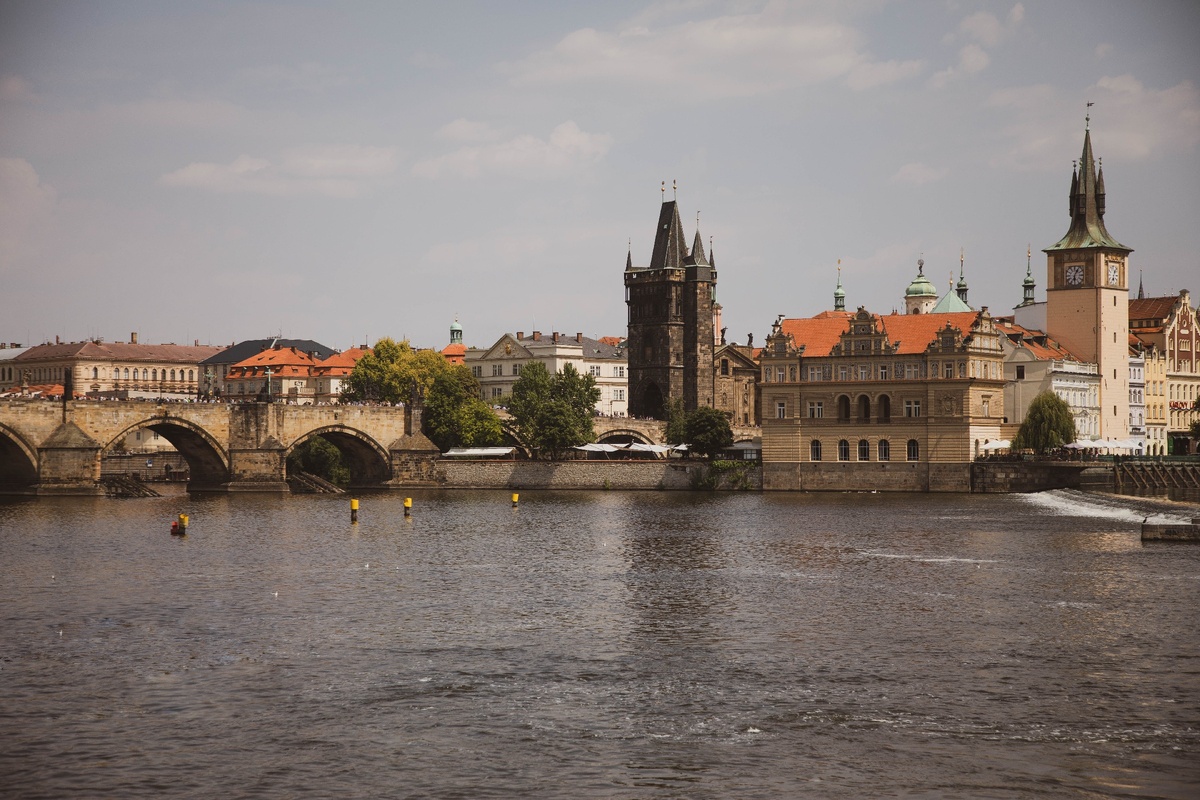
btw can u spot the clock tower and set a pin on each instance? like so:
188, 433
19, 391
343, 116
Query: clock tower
1087, 295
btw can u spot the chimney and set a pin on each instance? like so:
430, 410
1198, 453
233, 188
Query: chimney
537, 336
57, 340
579, 337
520, 335
196, 343
133, 337
554, 336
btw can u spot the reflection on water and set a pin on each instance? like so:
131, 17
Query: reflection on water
598, 645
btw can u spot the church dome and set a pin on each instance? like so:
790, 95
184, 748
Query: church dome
921, 286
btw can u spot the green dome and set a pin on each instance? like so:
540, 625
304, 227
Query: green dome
920, 287
454, 326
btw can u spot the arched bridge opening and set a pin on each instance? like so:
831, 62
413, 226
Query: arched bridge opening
18, 464
367, 462
207, 464
624, 436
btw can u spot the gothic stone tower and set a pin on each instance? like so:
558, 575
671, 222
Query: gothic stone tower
1087, 295
670, 339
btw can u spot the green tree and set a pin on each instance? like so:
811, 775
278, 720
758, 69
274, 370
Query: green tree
676, 430
455, 416
1194, 430
708, 431
386, 374
319, 457
1048, 425
552, 413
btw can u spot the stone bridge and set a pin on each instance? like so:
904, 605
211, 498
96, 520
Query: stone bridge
52, 447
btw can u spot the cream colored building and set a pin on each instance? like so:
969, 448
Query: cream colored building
1171, 325
1035, 363
115, 369
498, 367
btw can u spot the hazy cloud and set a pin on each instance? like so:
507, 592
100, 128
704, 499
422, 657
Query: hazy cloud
723, 56
981, 31
26, 204
919, 174
464, 130
566, 149
331, 170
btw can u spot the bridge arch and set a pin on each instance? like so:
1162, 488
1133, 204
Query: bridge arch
208, 463
18, 461
624, 436
368, 461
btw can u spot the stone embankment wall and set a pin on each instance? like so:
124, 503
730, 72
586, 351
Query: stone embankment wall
1037, 476
851, 476
675, 474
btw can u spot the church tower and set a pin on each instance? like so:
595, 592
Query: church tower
1087, 293
670, 319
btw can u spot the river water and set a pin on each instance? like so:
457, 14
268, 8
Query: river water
597, 645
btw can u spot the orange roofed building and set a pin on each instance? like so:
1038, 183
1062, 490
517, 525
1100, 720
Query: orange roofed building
290, 375
897, 402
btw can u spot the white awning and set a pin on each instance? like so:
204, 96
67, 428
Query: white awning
999, 444
478, 452
599, 447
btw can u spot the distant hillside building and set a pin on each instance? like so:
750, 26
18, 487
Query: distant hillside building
670, 322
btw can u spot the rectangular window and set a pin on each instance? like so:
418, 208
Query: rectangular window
618, 372
816, 409
516, 369
814, 373
934, 371
864, 372
619, 394
912, 408
883, 372
724, 366
912, 371
779, 374
497, 391
843, 372
1020, 372
497, 370
781, 410
594, 371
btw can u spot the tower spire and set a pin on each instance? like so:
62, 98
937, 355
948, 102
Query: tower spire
1028, 285
1087, 204
961, 289
839, 294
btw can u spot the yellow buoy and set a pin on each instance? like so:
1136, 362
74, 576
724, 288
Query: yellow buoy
408, 506
354, 510
516, 497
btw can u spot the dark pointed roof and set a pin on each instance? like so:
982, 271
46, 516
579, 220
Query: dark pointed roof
1087, 207
670, 251
697, 256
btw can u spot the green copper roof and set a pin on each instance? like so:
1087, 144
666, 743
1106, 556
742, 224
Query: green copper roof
950, 303
921, 286
1086, 207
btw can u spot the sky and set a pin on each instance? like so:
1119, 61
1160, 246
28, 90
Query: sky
346, 171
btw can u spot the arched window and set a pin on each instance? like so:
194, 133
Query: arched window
172, 374
914, 450
95, 373
884, 408
191, 375
154, 375
843, 450
162, 375
864, 408
864, 450
127, 373
885, 450
843, 408
814, 450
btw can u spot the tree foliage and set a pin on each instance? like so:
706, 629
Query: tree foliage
319, 457
386, 374
706, 431
455, 416
552, 413
1048, 425
1194, 430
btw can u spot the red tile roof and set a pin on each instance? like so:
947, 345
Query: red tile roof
1158, 308
284, 362
1039, 345
340, 363
912, 333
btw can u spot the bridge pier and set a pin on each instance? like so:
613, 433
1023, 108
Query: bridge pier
69, 463
261, 469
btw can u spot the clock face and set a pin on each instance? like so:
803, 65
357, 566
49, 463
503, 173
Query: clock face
1114, 274
1074, 275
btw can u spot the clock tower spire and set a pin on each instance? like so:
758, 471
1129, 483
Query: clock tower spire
1087, 293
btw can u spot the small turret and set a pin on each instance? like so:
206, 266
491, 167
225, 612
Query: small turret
961, 288
921, 295
839, 294
1028, 285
